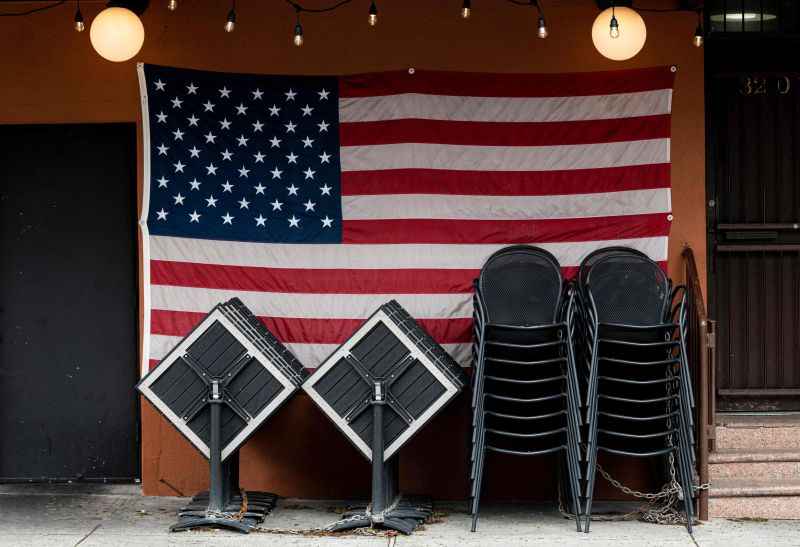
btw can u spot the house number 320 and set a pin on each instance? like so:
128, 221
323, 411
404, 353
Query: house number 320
757, 85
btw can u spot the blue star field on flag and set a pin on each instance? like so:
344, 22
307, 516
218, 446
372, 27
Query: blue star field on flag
243, 157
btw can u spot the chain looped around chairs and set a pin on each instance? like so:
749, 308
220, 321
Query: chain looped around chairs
666, 511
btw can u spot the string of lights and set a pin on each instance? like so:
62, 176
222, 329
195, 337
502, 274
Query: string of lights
614, 14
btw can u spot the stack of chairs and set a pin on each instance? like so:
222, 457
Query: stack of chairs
638, 394
526, 398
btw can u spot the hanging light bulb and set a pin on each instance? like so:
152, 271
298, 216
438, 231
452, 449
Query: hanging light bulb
697, 41
631, 33
117, 34
466, 9
373, 14
298, 32
78, 23
172, 5
230, 23
613, 26
541, 32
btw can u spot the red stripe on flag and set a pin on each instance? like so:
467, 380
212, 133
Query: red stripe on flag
505, 183
506, 85
504, 231
312, 281
310, 331
504, 134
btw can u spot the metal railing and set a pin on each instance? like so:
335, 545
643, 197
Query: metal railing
701, 349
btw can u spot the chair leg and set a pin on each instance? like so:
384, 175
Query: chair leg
476, 500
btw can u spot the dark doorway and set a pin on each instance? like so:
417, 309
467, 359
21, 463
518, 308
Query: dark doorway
68, 304
753, 106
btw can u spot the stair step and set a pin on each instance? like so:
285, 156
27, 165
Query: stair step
778, 507
774, 470
787, 419
754, 488
757, 436
755, 455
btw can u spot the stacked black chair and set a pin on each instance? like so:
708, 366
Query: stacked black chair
380, 388
526, 398
217, 386
635, 375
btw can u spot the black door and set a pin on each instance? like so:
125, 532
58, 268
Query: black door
754, 222
68, 305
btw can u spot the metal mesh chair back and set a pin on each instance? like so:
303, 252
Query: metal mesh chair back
629, 290
521, 285
593, 257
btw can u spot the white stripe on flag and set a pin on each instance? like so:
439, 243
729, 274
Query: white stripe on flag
398, 256
504, 109
407, 206
311, 306
504, 158
311, 355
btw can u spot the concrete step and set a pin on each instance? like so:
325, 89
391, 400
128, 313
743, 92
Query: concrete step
761, 464
752, 498
748, 432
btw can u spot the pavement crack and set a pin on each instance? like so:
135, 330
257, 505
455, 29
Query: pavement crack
92, 531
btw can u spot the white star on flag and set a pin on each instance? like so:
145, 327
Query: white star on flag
212, 201
194, 217
227, 219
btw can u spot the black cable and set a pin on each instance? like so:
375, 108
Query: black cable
33, 10
298, 8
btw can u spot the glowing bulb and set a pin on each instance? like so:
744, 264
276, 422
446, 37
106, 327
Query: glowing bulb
373, 14
172, 5
466, 9
627, 43
80, 26
230, 24
298, 34
697, 41
613, 27
117, 34
542, 30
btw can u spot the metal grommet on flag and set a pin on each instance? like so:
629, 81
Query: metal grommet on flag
411, 70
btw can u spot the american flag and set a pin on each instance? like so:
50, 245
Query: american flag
317, 199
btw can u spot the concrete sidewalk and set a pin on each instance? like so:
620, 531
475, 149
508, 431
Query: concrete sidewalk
119, 516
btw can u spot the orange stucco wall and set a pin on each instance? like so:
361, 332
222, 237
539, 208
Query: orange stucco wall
50, 74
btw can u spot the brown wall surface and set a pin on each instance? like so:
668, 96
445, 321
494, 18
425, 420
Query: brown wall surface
52, 75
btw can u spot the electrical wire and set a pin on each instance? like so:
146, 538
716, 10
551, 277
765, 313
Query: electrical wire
32, 10
300, 8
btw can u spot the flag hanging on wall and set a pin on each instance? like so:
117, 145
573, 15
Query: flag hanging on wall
317, 199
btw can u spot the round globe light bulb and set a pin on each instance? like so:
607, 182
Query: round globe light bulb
117, 34
632, 34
